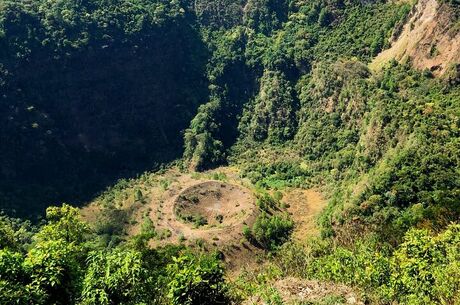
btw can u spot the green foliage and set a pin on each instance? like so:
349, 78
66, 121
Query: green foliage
218, 14
424, 268
199, 221
272, 231
200, 146
214, 128
275, 175
147, 232
219, 176
110, 225
324, 18
273, 113
265, 16
116, 277
196, 280
63, 223
15, 283
55, 268
286, 94
71, 135
50, 272
421, 270
138, 196
247, 233
64, 266
406, 147
15, 234
266, 203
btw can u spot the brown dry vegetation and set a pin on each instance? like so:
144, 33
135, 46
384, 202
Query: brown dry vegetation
304, 207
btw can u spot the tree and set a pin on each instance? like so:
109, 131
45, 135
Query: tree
272, 231
273, 117
116, 277
63, 223
196, 280
202, 149
325, 17
56, 261
265, 16
15, 282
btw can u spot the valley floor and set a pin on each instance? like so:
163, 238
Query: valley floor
235, 202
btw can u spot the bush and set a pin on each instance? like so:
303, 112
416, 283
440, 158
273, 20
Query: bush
424, 269
220, 218
247, 233
199, 221
272, 231
116, 277
196, 280
265, 202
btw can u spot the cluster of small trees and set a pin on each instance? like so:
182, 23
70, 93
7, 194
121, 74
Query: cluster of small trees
61, 264
272, 227
423, 269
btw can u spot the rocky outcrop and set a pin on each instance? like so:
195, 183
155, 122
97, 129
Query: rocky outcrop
430, 39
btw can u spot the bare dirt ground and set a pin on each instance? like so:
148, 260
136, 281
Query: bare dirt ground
430, 39
218, 192
299, 291
235, 203
304, 207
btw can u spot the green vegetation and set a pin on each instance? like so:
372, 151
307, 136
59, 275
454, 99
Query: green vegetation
421, 270
93, 91
272, 231
196, 281
60, 264
272, 227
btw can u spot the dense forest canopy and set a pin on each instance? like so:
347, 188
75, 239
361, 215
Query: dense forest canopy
101, 89
92, 91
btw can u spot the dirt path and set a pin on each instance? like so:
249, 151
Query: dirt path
223, 193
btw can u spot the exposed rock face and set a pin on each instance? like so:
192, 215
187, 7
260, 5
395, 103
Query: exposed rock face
430, 39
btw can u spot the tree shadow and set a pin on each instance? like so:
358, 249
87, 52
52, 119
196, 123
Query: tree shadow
73, 125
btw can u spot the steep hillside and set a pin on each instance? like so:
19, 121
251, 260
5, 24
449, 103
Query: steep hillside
430, 39
91, 92
230, 152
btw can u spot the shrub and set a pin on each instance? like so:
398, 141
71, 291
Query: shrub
220, 218
199, 221
247, 233
424, 269
196, 280
272, 231
266, 202
115, 277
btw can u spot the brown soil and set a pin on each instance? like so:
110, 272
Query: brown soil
304, 207
295, 291
235, 203
219, 204
430, 39
232, 198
